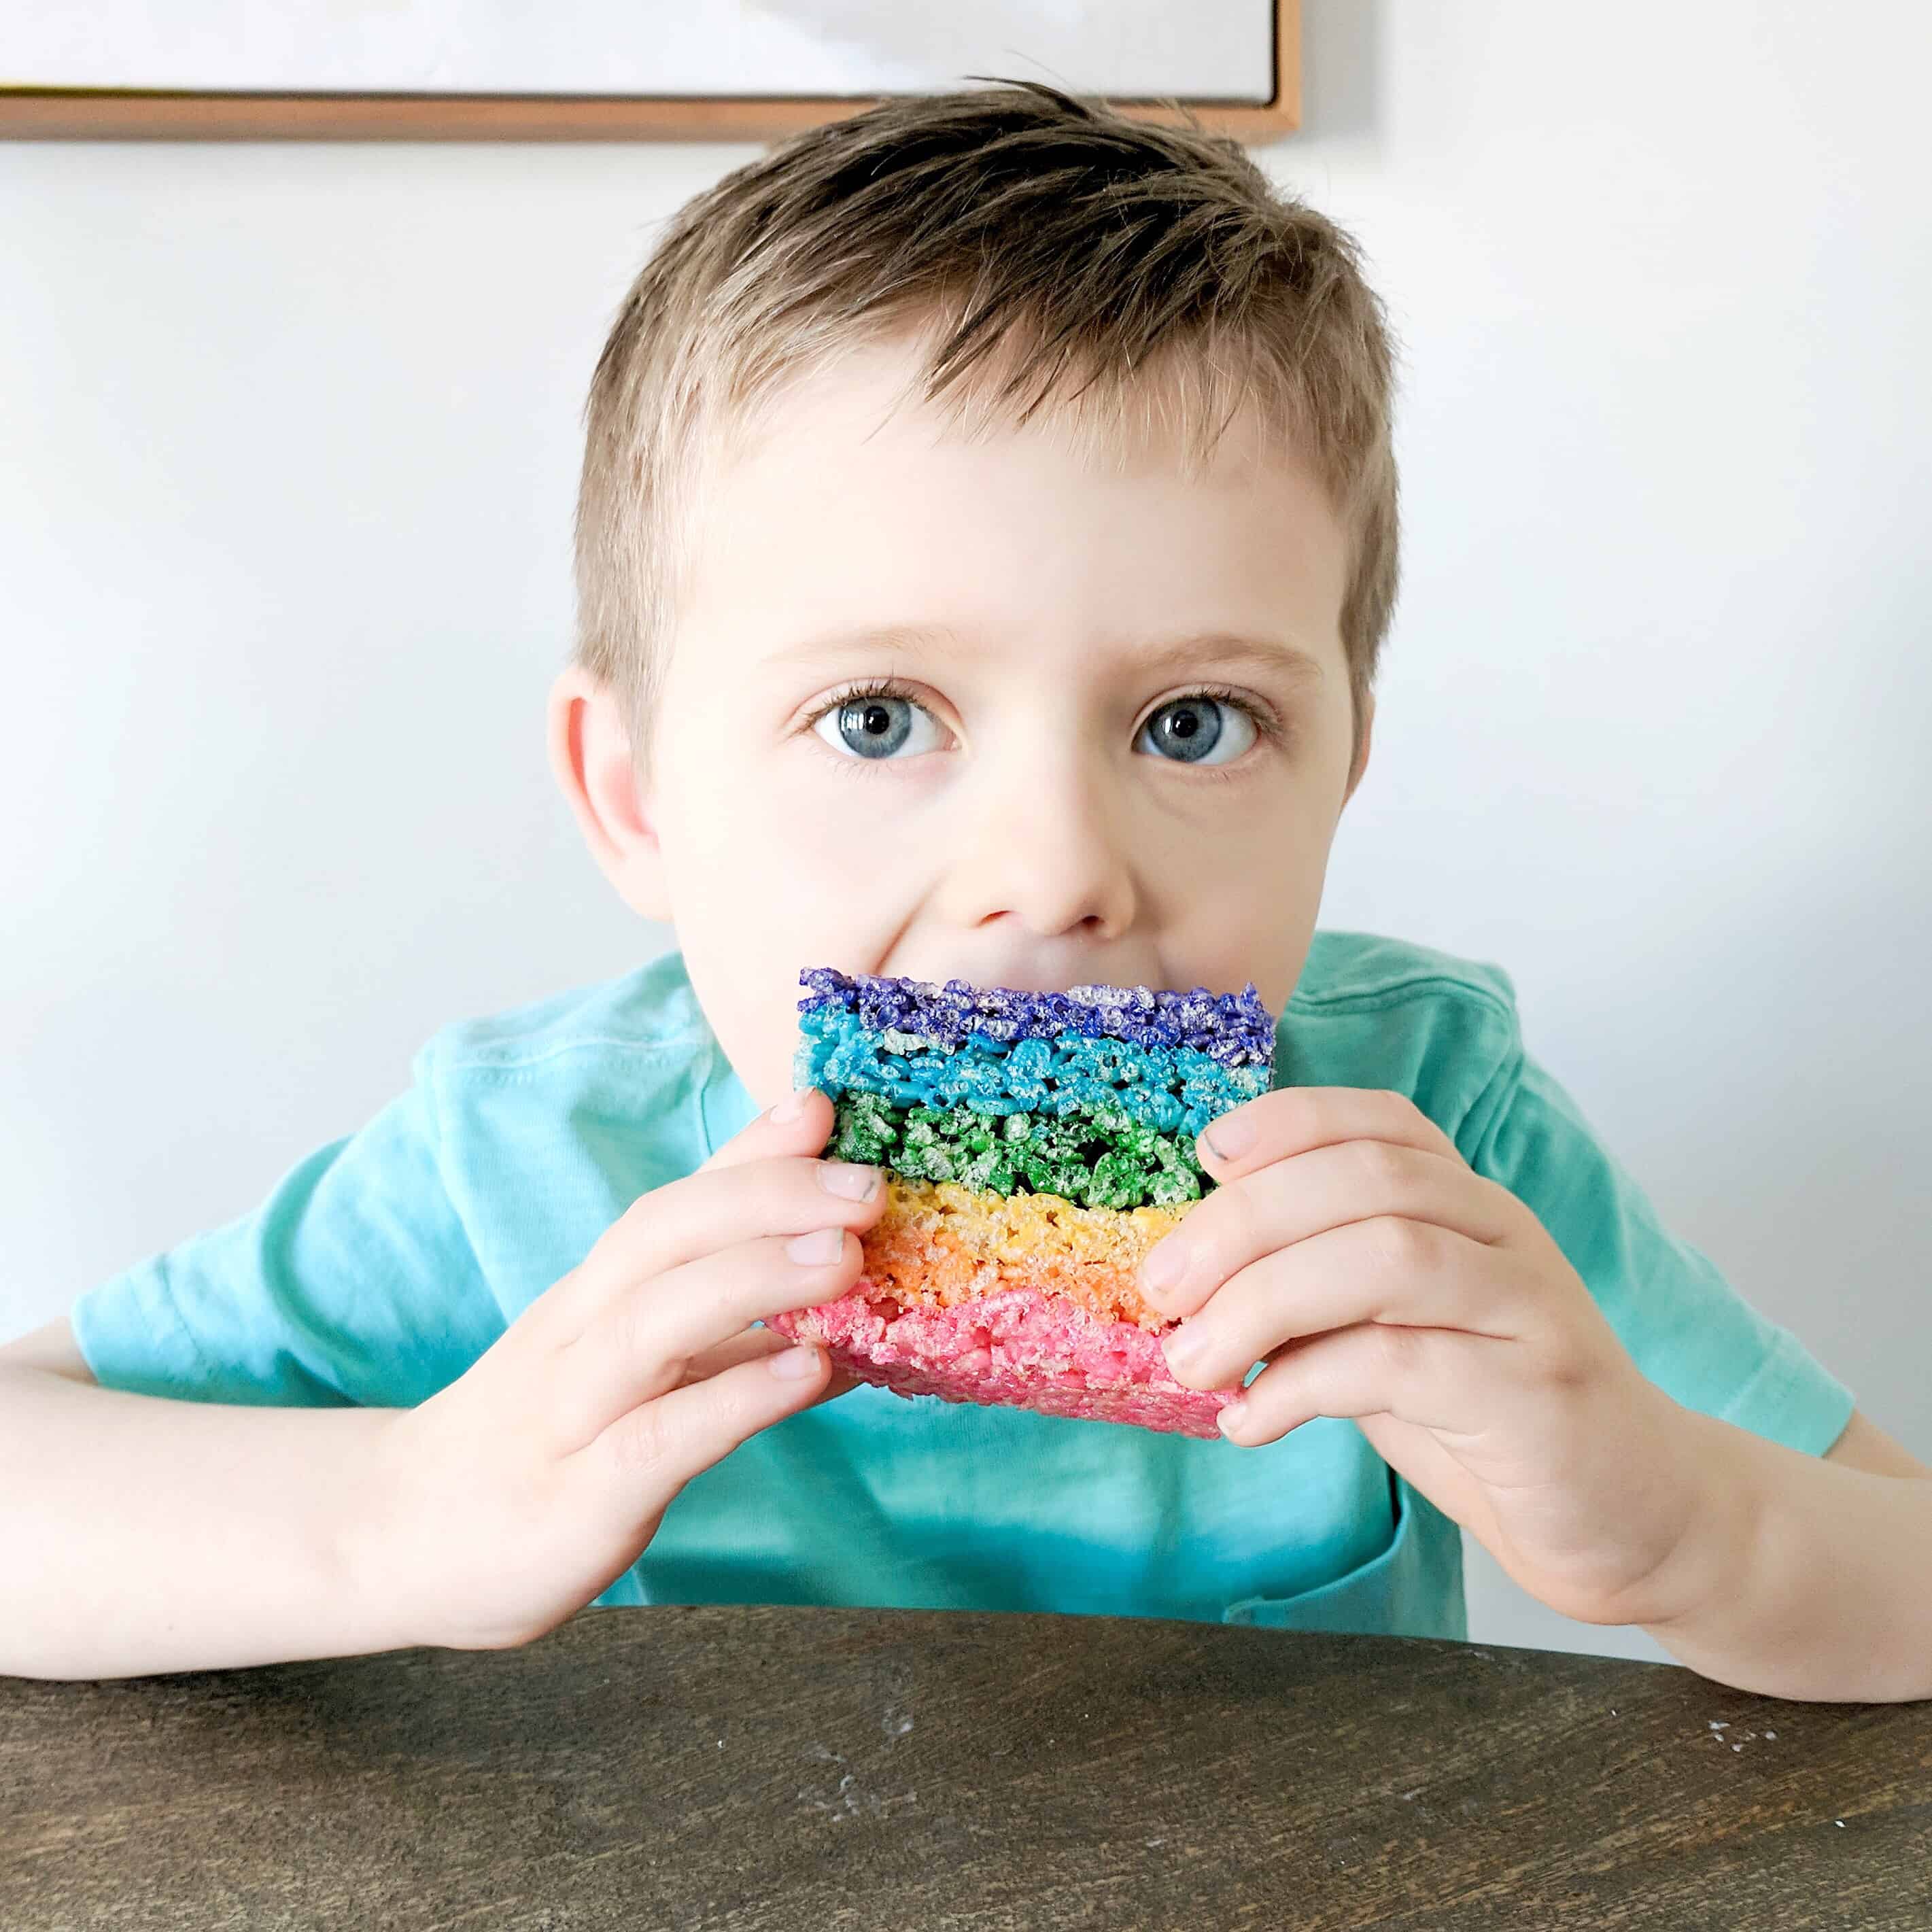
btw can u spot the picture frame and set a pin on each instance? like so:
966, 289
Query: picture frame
1268, 108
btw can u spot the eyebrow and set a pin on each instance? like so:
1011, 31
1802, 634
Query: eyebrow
1274, 654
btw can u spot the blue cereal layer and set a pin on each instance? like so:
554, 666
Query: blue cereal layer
1233, 1029
1174, 1090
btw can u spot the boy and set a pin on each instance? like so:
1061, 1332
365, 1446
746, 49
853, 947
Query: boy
987, 532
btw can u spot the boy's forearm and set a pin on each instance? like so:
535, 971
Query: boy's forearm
144, 1535
1807, 1579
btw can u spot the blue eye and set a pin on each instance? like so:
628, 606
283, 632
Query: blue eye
1197, 730
878, 725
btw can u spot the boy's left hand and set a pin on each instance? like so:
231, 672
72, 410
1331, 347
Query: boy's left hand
1350, 1245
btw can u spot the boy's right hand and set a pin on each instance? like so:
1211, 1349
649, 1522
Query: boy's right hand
526, 1487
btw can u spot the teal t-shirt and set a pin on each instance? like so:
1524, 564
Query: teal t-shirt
381, 1266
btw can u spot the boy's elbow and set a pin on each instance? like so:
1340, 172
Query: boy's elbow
51, 1349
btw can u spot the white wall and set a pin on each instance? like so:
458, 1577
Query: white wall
290, 438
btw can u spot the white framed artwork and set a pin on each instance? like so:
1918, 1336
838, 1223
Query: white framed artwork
613, 69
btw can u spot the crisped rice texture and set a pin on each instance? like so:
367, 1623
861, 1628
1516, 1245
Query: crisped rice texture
941, 1244
1017, 1347
1234, 1028
1172, 1089
1036, 1146
1100, 1157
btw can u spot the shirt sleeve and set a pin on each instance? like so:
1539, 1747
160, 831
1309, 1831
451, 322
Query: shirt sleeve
1688, 1330
353, 1283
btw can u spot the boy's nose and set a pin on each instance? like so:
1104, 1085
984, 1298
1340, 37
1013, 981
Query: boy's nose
1046, 847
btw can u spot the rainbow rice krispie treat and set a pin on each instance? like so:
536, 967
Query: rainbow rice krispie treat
1036, 1145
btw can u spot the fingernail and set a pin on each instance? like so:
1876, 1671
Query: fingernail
792, 1105
1231, 1135
795, 1364
1184, 1347
848, 1178
814, 1250
1231, 1417
1165, 1263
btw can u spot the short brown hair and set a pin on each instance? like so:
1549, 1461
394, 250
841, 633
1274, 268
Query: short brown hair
1021, 231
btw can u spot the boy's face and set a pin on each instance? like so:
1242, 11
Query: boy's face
946, 708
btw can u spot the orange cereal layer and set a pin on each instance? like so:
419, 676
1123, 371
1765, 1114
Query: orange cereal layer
938, 1244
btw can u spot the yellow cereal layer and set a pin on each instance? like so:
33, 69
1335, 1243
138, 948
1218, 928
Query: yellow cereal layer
939, 1244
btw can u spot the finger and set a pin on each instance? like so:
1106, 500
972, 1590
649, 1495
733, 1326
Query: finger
755, 1345
1296, 1119
1397, 1272
641, 1346
1430, 1377
1304, 1195
707, 1211
800, 1122
758, 1344
649, 1452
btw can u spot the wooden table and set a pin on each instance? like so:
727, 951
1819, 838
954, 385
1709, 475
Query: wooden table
798, 1769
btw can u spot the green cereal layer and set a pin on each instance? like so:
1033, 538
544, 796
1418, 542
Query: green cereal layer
1099, 1156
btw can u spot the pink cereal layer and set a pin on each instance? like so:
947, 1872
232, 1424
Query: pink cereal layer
1018, 1348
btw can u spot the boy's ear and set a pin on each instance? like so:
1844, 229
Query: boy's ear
590, 755
1362, 746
